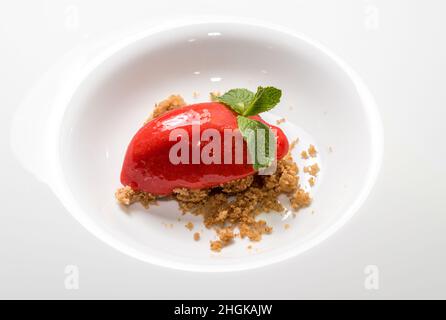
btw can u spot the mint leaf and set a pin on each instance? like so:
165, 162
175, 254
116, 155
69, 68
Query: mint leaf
237, 99
259, 138
265, 99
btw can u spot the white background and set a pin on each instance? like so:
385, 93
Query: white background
397, 46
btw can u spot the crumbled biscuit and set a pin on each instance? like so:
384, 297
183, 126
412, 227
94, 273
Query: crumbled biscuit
312, 170
280, 121
312, 151
171, 103
293, 144
300, 199
304, 155
237, 185
126, 196
197, 236
190, 195
226, 234
311, 181
216, 245
189, 226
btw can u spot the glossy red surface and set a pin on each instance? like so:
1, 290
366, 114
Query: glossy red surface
147, 166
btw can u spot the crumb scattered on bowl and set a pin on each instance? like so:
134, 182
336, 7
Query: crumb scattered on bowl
197, 236
312, 170
189, 226
312, 151
171, 103
280, 121
293, 144
286, 226
311, 181
304, 155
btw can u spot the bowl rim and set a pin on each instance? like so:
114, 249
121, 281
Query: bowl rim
61, 189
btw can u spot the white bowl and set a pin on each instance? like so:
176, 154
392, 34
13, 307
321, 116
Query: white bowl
324, 103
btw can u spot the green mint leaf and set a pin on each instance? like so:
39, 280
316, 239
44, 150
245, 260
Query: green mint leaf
237, 99
265, 99
259, 138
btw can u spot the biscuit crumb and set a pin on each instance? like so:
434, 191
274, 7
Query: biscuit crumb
127, 196
195, 94
249, 247
171, 103
280, 121
286, 226
300, 199
216, 245
304, 155
190, 195
312, 151
226, 234
189, 226
237, 185
312, 170
311, 181
293, 144
197, 236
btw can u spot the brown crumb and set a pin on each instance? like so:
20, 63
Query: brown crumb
237, 185
126, 196
311, 181
195, 94
190, 195
300, 199
280, 121
249, 247
216, 245
171, 103
286, 226
312, 170
226, 234
197, 236
304, 155
312, 151
293, 144
189, 226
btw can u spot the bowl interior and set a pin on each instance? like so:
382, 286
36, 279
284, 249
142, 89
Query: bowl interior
321, 105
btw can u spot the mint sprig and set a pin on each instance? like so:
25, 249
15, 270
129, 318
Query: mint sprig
256, 134
246, 103
238, 99
258, 137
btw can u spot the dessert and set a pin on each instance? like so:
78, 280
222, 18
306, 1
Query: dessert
225, 183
